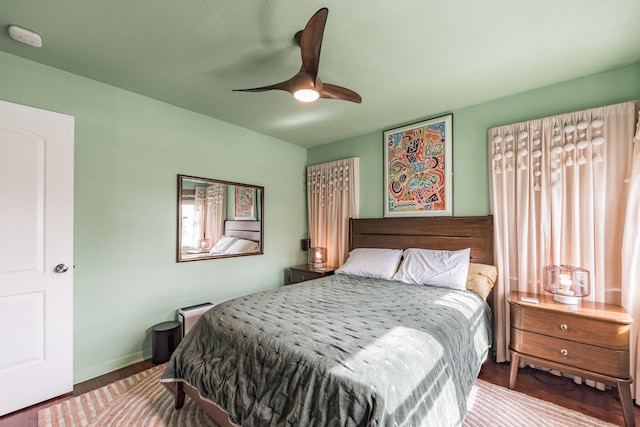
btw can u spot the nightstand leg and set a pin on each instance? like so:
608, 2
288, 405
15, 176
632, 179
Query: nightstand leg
513, 374
624, 389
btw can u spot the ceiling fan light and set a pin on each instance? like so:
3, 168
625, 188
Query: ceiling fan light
306, 95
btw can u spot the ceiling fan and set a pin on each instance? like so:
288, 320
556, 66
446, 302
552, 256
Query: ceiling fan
306, 86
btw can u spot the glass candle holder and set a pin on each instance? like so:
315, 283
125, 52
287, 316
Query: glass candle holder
567, 283
317, 257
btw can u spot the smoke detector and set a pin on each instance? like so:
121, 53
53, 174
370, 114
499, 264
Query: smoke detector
25, 36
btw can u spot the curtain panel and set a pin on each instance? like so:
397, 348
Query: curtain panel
199, 216
631, 258
562, 192
209, 214
333, 196
216, 213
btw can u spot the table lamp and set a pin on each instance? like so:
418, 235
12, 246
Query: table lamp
567, 283
317, 257
204, 244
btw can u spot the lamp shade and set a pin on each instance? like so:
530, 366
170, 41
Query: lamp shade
317, 256
567, 283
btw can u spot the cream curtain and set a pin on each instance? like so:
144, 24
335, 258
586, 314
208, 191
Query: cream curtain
631, 257
199, 215
216, 212
209, 214
558, 196
333, 196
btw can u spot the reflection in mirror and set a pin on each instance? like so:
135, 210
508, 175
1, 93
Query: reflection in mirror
218, 219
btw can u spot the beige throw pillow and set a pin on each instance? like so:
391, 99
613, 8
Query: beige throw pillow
481, 279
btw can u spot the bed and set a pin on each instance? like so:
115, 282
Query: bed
239, 238
345, 349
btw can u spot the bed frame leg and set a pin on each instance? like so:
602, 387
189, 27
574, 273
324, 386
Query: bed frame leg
179, 395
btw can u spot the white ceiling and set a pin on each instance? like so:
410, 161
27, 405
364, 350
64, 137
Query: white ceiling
408, 59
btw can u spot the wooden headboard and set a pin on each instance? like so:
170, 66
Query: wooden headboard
250, 230
444, 233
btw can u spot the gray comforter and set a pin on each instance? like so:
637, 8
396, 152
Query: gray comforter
339, 351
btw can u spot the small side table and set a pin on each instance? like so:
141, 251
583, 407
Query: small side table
165, 337
590, 340
304, 272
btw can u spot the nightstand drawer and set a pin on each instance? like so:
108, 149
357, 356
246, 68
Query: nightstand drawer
304, 272
560, 325
590, 357
302, 276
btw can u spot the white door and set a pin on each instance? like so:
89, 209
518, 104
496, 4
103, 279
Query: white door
36, 235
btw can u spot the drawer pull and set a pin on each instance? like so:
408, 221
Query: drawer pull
564, 352
564, 327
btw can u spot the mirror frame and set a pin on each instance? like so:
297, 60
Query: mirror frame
207, 256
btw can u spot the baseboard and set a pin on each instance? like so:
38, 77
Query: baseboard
94, 371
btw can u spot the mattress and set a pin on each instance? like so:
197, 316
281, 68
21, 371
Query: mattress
339, 351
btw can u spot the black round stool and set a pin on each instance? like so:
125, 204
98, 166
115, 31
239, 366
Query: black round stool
164, 339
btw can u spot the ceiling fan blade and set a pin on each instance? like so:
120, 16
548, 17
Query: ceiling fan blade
339, 92
285, 85
306, 81
311, 41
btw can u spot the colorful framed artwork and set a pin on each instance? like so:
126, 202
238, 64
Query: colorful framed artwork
418, 169
245, 203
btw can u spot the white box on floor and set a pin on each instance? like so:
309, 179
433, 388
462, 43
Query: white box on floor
188, 316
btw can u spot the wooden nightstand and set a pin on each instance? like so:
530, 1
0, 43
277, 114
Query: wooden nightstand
301, 273
590, 340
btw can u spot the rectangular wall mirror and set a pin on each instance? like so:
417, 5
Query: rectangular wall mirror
218, 219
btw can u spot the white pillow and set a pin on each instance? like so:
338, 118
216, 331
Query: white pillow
222, 244
370, 262
446, 269
241, 246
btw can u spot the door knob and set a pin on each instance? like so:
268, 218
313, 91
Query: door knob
61, 268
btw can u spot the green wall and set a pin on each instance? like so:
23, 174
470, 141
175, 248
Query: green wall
470, 126
129, 150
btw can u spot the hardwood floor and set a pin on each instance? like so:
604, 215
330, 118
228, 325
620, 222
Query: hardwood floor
604, 405
559, 390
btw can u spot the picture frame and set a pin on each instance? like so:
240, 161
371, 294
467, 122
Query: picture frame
245, 204
418, 169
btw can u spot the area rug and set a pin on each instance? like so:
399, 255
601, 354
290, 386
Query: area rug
140, 400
